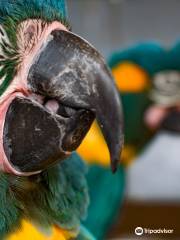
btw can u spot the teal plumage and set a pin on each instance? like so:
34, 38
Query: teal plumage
8, 6
146, 55
151, 56
56, 196
106, 196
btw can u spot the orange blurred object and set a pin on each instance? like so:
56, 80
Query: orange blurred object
129, 77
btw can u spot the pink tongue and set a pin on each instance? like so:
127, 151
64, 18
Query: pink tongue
52, 106
154, 116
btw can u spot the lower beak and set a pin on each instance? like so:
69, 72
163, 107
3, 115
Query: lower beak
71, 72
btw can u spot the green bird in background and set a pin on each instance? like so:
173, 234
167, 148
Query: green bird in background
160, 157
53, 84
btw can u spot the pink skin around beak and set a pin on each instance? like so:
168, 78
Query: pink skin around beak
19, 86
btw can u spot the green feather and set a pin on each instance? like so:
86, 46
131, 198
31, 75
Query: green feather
9, 212
56, 196
106, 192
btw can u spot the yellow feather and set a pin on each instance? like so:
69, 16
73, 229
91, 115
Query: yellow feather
30, 232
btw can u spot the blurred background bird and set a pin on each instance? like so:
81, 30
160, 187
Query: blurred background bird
152, 177
160, 157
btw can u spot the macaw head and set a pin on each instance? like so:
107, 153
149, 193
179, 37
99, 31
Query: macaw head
53, 84
147, 75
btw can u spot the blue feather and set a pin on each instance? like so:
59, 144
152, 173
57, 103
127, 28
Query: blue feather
7, 6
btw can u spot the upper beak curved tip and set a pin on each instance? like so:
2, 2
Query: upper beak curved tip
116, 155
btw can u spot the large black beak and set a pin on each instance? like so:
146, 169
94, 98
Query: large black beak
71, 71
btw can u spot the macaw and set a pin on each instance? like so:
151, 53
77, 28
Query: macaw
160, 157
53, 84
